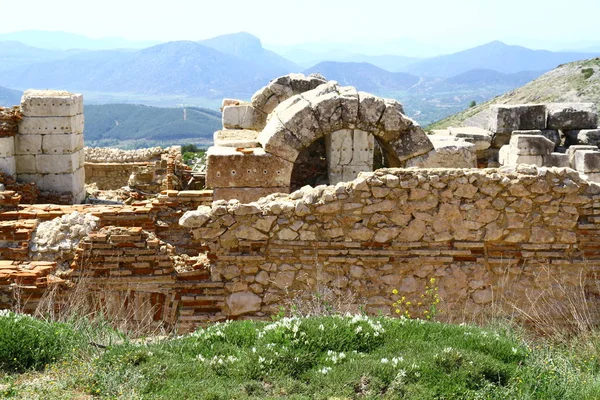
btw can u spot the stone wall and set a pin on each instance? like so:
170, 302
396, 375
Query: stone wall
488, 236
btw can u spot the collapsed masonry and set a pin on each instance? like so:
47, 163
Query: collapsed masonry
489, 236
263, 142
552, 135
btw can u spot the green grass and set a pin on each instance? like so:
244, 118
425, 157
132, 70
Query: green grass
342, 357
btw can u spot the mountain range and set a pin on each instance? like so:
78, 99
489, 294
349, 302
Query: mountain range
236, 65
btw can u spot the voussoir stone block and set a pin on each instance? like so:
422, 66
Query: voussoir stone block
51, 103
51, 125
276, 139
227, 167
243, 117
587, 161
297, 116
572, 116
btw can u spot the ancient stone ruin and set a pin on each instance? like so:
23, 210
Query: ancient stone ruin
263, 143
311, 186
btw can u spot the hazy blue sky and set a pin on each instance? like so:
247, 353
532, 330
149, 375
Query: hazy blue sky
535, 23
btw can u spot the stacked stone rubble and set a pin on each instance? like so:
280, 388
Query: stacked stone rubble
49, 146
9, 119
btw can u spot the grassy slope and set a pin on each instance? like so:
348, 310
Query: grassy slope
320, 358
110, 123
566, 83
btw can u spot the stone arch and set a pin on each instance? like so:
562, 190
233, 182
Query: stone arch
304, 118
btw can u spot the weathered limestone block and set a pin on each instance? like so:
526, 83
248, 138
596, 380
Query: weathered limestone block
8, 166
530, 145
550, 134
246, 194
587, 161
298, 117
243, 303
504, 154
557, 160
51, 125
349, 152
28, 144
7, 146
583, 137
227, 167
450, 153
282, 88
370, 110
335, 107
515, 159
481, 138
243, 117
276, 139
238, 138
25, 164
504, 119
196, 218
51, 103
572, 116
572, 150
61, 144
63, 183
57, 164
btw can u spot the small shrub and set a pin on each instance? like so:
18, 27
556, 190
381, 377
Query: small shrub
423, 307
28, 343
587, 72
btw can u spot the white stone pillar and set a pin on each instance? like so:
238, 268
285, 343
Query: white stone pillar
49, 145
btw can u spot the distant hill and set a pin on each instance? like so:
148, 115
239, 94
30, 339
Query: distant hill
364, 76
56, 40
112, 123
9, 97
573, 82
249, 47
494, 56
183, 68
16, 54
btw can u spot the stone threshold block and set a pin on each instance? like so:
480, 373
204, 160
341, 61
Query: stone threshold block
7, 146
51, 103
572, 116
481, 138
560, 160
247, 195
243, 116
587, 161
238, 138
550, 134
253, 167
583, 137
530, 145
51, 125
